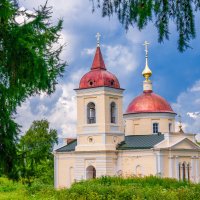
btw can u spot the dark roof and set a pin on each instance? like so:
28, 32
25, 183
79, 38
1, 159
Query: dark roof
131, 142
69, 147
140, 142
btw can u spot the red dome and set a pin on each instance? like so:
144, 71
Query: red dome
98, 76
149, 102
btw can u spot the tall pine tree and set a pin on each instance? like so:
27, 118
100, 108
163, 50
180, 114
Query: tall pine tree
29, 64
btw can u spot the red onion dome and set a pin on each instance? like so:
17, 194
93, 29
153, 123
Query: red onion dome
149, 102
98, 78
98, 75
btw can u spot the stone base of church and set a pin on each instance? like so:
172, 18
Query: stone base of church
75, 166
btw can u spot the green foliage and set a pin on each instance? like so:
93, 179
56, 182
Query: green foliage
8, 140
45, 171
107, 188
29, 64
35, 153
139, 13
11, 190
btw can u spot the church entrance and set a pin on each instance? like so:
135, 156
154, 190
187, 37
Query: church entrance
90, 172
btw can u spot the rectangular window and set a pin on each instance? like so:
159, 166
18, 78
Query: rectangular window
155, 127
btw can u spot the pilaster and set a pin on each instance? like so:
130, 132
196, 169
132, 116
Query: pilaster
177, 167
171, 166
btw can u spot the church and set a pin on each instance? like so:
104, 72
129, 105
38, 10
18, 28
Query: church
140, 142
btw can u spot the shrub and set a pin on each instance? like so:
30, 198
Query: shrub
105, 188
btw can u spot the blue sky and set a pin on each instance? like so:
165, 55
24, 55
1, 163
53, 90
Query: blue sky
176, 76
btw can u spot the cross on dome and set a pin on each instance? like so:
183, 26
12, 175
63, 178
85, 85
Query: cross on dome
98, 35
146, 72
146, 47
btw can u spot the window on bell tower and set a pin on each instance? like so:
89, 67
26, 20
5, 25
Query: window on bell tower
113, 112
91, 113
155, 127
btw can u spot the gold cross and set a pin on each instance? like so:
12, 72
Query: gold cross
98, 39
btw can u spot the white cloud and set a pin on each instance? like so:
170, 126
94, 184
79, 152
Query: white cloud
75, 12
121, 58
70, 42
24, 16
88, 51
196, 87
59, 108
116, 57
193, 115
187, 105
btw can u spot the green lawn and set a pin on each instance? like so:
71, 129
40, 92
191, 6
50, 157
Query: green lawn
151, 188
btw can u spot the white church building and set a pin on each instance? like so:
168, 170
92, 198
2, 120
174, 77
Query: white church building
140, 142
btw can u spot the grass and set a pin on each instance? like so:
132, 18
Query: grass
105, 188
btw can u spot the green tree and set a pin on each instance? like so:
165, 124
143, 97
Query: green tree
29, 64
35, 152
140, 12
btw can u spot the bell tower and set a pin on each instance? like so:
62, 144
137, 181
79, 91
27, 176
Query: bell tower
99, 108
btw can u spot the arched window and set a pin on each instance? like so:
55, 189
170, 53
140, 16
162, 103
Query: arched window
155, 127
91, 113
113, 112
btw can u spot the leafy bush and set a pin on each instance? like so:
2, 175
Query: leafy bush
105, 188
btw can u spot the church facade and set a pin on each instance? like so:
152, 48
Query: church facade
140, 142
